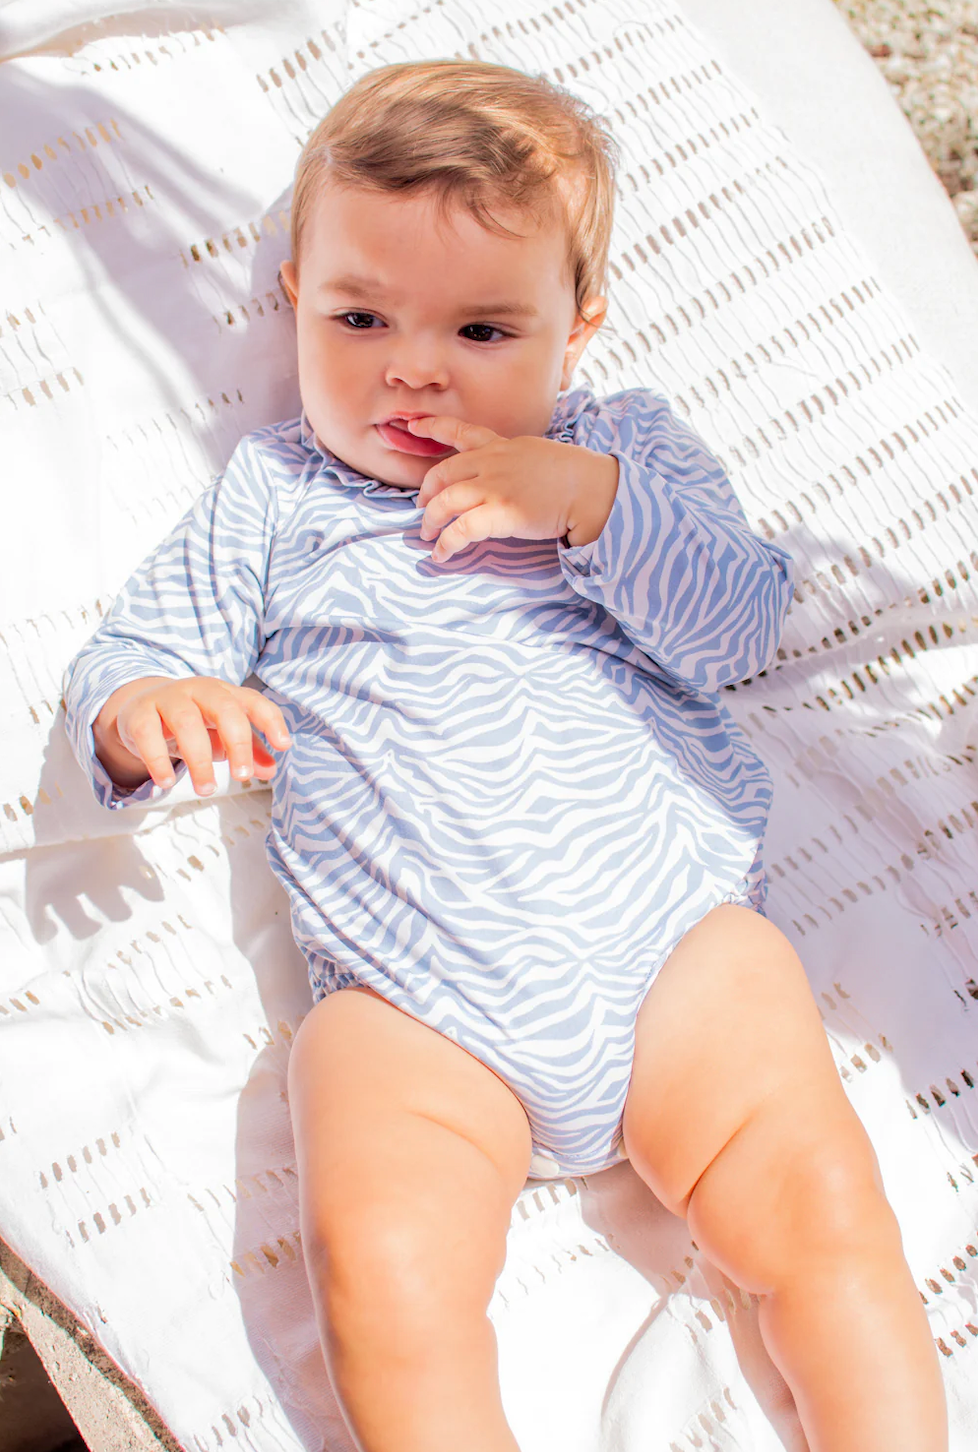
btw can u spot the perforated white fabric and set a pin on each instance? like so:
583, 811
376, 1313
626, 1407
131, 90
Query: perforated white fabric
149, 987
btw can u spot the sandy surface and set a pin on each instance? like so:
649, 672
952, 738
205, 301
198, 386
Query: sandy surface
929, 57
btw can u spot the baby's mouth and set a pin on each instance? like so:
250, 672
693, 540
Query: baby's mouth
407, 443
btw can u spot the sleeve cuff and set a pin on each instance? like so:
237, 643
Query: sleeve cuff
600, 556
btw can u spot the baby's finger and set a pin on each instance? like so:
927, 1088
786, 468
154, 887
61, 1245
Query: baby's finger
474, 524
144, 737
234, 730
453, 470
265, 763
264, 714
453, 499
186, 725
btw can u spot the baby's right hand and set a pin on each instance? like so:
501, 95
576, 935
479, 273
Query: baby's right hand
201, 719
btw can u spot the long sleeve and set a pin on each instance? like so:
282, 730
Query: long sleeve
676, 563
195, 606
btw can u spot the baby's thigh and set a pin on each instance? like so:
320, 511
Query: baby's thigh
402, 1140
728, 1033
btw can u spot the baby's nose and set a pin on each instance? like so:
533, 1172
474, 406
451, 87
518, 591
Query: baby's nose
417, 363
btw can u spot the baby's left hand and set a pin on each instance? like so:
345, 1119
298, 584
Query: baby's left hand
528, 487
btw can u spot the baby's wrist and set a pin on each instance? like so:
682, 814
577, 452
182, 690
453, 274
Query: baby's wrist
595, 496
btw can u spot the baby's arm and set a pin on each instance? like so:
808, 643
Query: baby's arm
676, 563
166, 661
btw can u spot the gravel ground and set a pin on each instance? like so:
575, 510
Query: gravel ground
929, 57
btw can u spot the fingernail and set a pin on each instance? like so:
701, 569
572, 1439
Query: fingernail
284, 741
207, 789
242, 773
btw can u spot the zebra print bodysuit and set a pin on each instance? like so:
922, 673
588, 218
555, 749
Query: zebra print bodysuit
512, 786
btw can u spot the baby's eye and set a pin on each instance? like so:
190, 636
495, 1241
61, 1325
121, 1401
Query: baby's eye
485, 328
342, 317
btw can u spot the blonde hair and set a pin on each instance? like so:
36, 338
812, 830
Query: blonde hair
474, 133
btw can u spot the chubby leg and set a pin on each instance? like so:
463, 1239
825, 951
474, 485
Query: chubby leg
411, 1154
737, 1119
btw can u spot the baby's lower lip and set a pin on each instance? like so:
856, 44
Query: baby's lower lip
405, 443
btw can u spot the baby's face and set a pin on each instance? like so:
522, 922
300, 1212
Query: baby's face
396, 314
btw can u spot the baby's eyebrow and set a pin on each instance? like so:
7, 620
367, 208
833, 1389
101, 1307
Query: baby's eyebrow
364, 288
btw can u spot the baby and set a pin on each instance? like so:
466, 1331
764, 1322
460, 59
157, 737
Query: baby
521, 836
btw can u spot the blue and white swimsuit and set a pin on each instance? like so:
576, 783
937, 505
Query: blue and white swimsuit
512, 786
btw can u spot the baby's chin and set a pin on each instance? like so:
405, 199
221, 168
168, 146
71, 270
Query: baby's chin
369, 457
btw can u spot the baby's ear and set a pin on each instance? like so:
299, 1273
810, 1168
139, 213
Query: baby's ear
583, 330
288, 280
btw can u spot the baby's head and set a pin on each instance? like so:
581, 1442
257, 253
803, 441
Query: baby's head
450, 231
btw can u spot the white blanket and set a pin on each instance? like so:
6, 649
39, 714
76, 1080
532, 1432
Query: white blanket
149, 986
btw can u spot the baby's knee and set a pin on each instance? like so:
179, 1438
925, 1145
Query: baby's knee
785, 1197
375, 1270
383, 1243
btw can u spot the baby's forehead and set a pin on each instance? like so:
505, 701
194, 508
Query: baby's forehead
348, 227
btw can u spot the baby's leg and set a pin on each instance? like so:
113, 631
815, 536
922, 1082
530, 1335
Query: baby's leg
737, 1119
411, 1154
